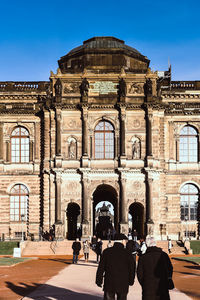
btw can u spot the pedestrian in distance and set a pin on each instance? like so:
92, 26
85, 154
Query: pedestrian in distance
93, 243
169, 246
135, 235
76, 246
99, 245
109, 244
154, 272
143, 246
116, 270
86, 249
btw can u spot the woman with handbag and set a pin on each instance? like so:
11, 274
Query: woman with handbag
154, 272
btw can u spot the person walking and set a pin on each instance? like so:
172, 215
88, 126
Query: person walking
117, 268
143, 246
99, 245
76, 246
135, 235
169, 246
86, 249
154, 271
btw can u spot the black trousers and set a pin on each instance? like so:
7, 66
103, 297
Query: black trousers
111, 296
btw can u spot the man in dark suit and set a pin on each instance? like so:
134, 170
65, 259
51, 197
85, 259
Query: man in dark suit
76, 246
153, 272
117, 267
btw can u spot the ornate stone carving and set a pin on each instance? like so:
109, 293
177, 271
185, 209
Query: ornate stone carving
70, 88
72, 149
58, 87
136, 88
137, 185
136, 123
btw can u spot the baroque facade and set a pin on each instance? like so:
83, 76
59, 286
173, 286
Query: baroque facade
103, 128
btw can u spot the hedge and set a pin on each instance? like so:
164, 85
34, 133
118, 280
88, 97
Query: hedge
195, 246
7, 247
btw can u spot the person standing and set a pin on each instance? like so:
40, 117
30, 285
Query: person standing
86, 249
153, 272
143, 246
117, 268
76, 246
99, 245
169, 246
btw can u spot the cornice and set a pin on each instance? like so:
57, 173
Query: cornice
180, 96
183, 109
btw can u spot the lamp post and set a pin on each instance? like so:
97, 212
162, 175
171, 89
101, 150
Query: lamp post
186, 231
22, 219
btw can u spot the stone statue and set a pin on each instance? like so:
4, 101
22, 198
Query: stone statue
84, 87
122, 88
72, 150
136, 149
58, 88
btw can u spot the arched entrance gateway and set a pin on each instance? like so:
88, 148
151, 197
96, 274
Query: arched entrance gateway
105, 211
73, 216
136, 218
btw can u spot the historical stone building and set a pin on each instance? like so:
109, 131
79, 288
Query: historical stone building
104, 128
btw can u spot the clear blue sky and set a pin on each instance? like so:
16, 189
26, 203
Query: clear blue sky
35, 34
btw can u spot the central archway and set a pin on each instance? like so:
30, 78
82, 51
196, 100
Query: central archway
73, 214
104, 220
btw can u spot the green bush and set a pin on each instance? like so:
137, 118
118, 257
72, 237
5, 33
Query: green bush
195, 246
7, 247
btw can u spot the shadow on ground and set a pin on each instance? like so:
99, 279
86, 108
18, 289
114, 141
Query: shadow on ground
46, 291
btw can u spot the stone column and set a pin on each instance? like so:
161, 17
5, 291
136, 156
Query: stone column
46, 139
37, 138
58, 223
124, 213
1, 141
149, 134
177, 138
58, 132
171, 140
85, 205
31, 151
8, 158
150, 223
85, 130
122, 130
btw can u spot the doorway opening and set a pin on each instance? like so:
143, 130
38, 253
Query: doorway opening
136, 218
73, 219
105, 212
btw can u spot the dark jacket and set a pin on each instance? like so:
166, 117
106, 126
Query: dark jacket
132, 246
154, 268
99, 247
76, 246
117, 266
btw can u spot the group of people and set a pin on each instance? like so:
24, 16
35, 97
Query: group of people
117, 268
95, 244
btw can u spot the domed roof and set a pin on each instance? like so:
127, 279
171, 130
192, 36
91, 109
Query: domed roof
103, 54
104, 42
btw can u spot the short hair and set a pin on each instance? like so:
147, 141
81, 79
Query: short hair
150, 241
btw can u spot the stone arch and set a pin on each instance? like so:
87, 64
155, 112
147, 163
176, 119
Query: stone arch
101, 223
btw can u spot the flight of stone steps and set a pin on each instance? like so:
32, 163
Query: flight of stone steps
64, 247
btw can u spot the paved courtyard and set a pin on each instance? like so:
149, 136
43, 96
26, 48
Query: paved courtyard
77, 282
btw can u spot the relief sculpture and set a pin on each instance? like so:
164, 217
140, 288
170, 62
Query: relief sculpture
136, 88
71, 88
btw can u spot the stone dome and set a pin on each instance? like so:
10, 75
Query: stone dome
103, 54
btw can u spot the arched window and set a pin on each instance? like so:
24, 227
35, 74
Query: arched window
188, 146
104, 140
189, 202
18, 203
20, 145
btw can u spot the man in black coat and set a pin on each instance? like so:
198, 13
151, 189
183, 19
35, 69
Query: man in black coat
154, 269
76, 246
117, 267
